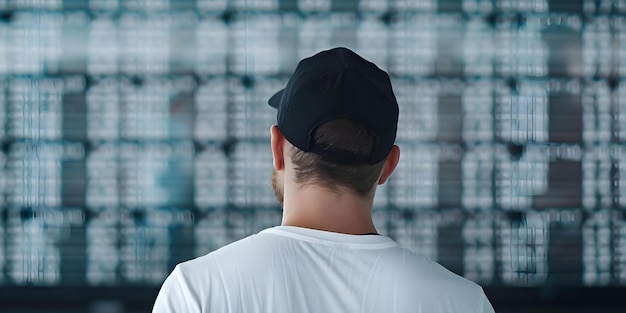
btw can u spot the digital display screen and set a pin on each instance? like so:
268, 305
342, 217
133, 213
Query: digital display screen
135, 134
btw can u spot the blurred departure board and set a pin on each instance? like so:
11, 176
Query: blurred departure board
135, 134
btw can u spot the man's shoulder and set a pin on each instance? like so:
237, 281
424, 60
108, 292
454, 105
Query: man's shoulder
424, 282
237, 250
192, 283
416, 269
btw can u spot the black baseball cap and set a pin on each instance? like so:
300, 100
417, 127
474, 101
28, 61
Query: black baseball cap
333, 84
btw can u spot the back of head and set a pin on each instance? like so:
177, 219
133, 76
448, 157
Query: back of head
349, 136
340, 114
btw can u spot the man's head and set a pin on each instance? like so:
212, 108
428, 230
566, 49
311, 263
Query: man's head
338, 119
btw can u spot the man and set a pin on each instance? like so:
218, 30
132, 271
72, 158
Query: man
334, 143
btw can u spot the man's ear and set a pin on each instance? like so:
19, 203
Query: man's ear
390, 164
278, 143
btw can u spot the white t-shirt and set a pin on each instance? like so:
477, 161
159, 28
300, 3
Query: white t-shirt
300, 270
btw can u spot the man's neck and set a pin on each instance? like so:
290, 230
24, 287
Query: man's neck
319, 208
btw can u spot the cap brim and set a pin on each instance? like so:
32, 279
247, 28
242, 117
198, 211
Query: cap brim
274, 101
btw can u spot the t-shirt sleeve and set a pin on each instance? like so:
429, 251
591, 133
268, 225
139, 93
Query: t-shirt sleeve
176, 295
486, 305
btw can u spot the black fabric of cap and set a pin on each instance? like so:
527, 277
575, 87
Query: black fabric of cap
334, 84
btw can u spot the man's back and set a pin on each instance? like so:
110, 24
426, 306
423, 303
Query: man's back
293, 269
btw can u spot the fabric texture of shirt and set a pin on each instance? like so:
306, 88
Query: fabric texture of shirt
293, 269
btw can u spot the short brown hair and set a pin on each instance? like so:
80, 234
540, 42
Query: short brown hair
347, 135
